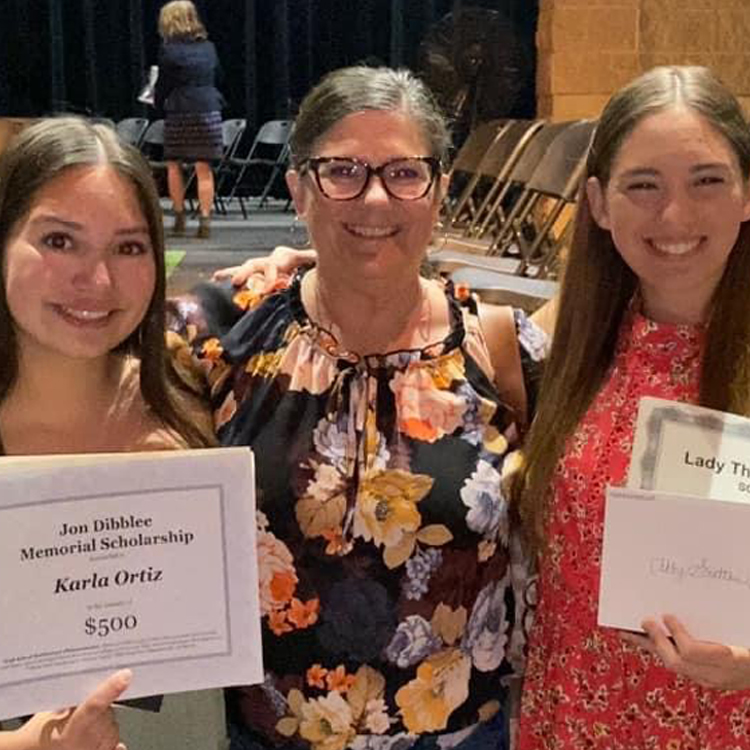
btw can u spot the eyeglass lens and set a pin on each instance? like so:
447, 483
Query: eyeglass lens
407, 179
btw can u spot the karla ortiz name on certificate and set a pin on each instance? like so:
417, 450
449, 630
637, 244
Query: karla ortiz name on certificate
145, 561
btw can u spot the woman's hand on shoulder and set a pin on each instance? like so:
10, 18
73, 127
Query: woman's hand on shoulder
282, 262
90, 726
711, 665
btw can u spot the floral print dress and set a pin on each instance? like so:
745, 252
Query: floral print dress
585, 687
383, 535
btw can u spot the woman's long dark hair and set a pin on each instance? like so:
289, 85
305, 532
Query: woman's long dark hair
598, 285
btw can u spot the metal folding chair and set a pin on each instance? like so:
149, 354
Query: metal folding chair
132, 129
255, 174
459, 206
528, 245
231, 135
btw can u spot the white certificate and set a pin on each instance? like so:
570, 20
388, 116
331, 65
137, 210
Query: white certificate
685, 449
145, 561
667, 554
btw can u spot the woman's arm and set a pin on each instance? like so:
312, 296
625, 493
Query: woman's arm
90, 726
499, 328
283, 261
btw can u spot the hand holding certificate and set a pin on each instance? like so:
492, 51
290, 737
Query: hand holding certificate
139, 560
675, 541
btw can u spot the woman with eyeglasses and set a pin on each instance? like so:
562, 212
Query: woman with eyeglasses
370, 397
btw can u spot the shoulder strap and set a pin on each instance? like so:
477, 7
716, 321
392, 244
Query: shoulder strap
499, 328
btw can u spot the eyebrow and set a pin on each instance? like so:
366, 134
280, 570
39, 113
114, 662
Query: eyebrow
649, 172
74, 225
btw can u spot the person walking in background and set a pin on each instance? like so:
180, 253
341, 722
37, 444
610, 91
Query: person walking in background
186, 93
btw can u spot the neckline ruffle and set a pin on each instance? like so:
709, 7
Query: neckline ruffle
673, 342
397, 358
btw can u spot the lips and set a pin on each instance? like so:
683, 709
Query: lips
84, 315
676, 248
371, 232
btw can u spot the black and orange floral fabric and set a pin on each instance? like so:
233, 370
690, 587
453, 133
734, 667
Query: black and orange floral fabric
383, 535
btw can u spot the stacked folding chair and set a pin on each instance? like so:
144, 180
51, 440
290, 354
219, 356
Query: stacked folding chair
131, 130
512, 247
256, 174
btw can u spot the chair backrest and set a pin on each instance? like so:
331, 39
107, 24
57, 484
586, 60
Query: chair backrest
231, 135
501, 151
131, 130
470, 155
557, 173
154, 135
270, 141
274, 132
536, 149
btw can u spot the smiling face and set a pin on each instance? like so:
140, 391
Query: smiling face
374, 236
673, 205
79, 268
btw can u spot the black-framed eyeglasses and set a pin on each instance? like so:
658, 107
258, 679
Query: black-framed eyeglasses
344, 179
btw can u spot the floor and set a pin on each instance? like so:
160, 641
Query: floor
233, 239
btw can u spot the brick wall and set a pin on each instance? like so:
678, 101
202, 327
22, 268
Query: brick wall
589, 48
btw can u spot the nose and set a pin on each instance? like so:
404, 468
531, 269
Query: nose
678, 209
94, 273
375, 191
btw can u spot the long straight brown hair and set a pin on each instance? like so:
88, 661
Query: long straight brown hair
597, 287
37, 155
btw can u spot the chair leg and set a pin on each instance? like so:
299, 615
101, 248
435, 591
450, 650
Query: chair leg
268, 186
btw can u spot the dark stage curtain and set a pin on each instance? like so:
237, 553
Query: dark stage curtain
91, 56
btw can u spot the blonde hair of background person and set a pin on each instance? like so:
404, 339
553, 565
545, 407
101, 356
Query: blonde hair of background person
180, 19
661, 230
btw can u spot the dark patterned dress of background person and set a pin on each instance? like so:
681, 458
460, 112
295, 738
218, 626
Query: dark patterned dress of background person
191, 104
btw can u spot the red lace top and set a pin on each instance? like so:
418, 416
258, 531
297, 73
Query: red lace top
585, 687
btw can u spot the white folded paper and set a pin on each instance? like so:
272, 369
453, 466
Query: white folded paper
671, 554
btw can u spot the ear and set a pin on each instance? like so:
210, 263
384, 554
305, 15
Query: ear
746, 207
299, 192
597, 202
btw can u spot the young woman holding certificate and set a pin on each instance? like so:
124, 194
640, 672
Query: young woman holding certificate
83, 363
653, 303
